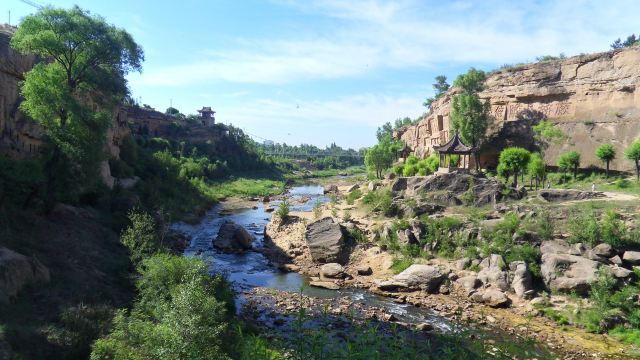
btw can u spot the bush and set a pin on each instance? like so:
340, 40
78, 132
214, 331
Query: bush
141, 237
317, 209
613, 229
353, 196
182, 313
380, 200
584, 228
398, 169
399, 265
410, 170
283, 209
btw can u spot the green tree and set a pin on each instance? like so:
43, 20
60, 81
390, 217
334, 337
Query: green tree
381, 156
470, 115
633, 153
630, 41
536, 168
570, 162
385, 130
514, 160
141, 237
441, 87
88, 61
606, 153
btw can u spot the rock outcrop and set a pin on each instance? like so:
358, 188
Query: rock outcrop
554, 195
564, 272
325, 240
592, 98
233, 238
18, 271
416, 277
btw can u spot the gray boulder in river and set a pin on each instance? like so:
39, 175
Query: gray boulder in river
325, 240
233, 238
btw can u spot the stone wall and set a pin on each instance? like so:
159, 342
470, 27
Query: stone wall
593, 99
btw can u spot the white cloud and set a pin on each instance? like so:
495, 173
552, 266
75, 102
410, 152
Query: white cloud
371, 35
348, 120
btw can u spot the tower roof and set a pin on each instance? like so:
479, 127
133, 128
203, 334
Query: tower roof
454, 146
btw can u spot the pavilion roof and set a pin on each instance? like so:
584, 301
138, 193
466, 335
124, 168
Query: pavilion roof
206, 109
454, 146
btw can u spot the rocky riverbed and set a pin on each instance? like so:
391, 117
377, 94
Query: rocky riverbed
492, 295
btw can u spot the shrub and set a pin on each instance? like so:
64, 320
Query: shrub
182, 313
613, 229
399, 265
283, 209
412, 160
528, 253
141, 237
409, 170
353, 196
317, 209
380, 200
398, 169
584, 228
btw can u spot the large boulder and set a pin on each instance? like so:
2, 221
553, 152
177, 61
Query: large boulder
492, 272
604, 250
631, 257
469, 283
325, 240
556, 195
495, 297
233, 238
423, 277
18, 271
331, 270
567, 273
333, 189
521, 279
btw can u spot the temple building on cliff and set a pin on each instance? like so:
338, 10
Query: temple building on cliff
207, 116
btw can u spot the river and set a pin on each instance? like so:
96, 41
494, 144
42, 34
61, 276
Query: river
252, 269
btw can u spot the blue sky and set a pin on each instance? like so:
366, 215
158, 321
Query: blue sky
333, 70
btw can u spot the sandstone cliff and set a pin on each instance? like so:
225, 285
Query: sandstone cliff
592, 98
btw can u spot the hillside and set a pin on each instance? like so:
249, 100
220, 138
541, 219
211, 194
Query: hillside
592, 98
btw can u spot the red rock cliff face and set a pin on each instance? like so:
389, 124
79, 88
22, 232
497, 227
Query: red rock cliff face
593, 99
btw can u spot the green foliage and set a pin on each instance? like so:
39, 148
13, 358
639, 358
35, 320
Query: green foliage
20, 181
570, 162
613, 229
353, 196
584, 227
469, 196
398, 169
469, 114
90, 59
409, 170
380, 200
441, 87
182, 313
141, 236
472, 81
283, 209
317, 209
354, 233
528, 253
633, 153
381, 156
547, 131
536, 168
606, 153
514, 160
401, 264
547, 58
631, 40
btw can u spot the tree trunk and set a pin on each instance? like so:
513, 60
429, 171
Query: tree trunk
607, 174
637, 170
575, 172
515, 179
50, 187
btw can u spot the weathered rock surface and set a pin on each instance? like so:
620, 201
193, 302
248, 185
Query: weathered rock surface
325, 284
567, 273
469, 283
521, 279
631, 257
604, 250
495, 298
485, 190
364, 270
331, 270
18, 271
233, 238
331, 189
423, 277
325, 240
555, 195
492, 272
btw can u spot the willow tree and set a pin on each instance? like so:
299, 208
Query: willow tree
470, 114
72, 94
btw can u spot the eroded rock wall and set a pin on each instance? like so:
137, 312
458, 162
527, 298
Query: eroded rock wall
593, 99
